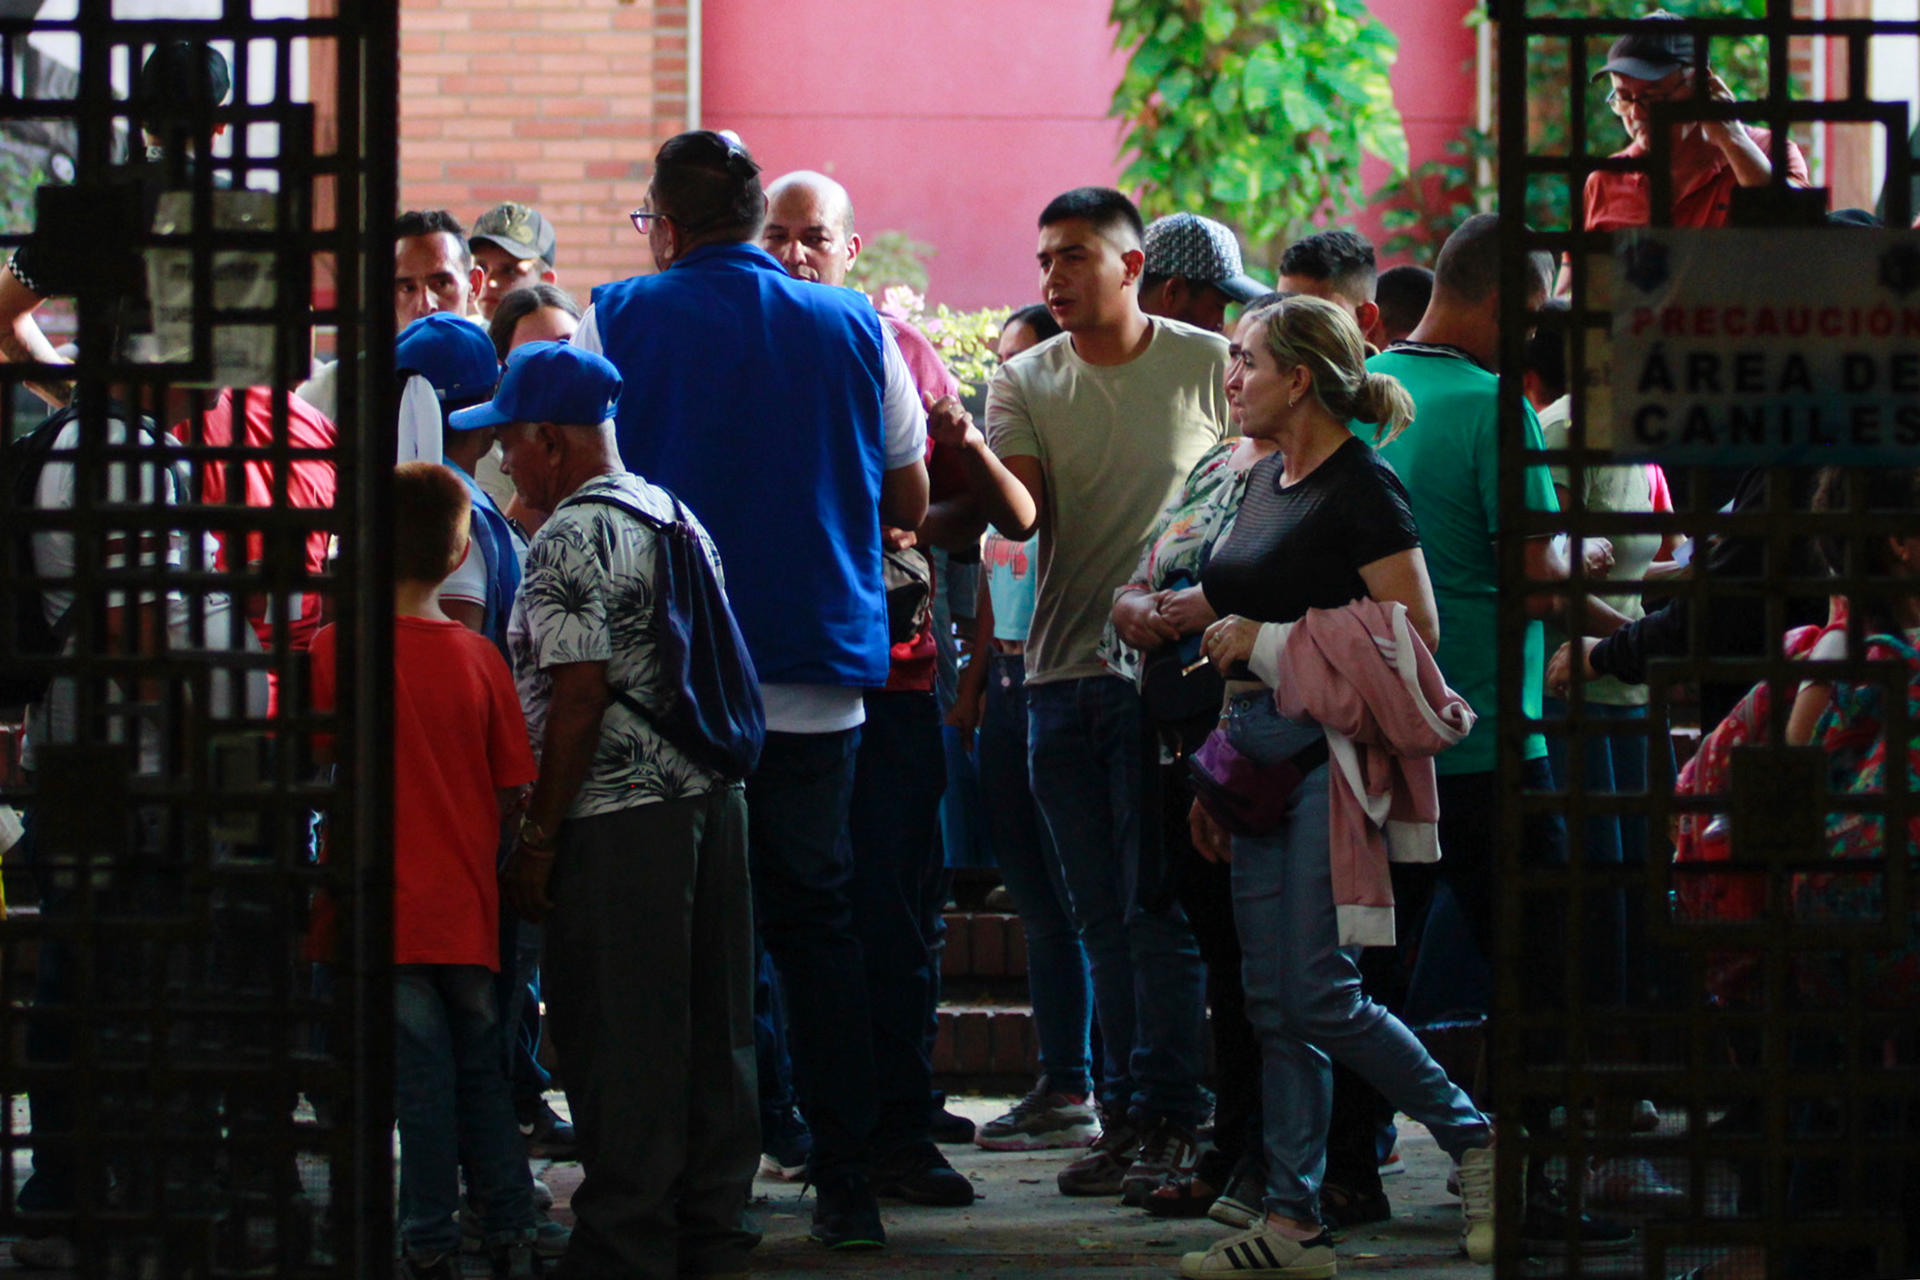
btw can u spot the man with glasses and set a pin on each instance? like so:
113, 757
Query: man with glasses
786, 418
1710, 157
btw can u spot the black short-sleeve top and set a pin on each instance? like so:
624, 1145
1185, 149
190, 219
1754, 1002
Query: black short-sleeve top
1300, 546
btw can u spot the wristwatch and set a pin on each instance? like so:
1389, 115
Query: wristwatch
534, 837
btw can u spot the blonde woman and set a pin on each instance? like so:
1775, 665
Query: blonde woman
1324, 523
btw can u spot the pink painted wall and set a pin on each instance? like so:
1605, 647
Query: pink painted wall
957, 122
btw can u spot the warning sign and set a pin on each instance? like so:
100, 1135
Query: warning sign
1743, 347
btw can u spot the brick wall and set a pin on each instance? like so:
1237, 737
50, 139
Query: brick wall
557, 103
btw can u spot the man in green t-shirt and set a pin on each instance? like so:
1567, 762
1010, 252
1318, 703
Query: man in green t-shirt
1449, 460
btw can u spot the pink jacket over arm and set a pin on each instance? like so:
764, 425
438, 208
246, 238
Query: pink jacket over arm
1364, 674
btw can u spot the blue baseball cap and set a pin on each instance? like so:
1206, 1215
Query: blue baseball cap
452, 353
553, 382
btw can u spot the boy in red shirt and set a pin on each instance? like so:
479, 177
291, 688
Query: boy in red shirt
460, 753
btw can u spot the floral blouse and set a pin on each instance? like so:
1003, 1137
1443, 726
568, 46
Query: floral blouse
1853, 730
1182, 539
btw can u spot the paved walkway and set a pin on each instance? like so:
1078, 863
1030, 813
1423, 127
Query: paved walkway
1022, 1226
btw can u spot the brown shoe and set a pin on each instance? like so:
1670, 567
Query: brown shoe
1101, 1171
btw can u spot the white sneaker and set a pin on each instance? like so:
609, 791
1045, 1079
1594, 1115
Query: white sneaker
1042, 1121
1630, 1182
770, 1167
1261, 1253
1476, 1204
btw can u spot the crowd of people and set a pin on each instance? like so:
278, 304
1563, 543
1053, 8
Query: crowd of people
668, 716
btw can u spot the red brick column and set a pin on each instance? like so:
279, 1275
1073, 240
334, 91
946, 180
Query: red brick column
555, 103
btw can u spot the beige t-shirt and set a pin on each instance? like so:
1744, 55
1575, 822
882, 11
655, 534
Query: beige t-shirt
1625, 487
1114, 443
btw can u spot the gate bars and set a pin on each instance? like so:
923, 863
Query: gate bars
1788, 1124
190, 1095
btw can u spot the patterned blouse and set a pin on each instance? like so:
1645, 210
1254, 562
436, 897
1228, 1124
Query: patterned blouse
587, 595
1185, 535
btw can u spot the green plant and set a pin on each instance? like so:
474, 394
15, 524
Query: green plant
1423, 206
889, 258
966, 340
19, 179
1257, 109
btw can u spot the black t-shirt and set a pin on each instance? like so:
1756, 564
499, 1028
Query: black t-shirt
1301, 547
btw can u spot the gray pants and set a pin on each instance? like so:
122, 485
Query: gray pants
649, 986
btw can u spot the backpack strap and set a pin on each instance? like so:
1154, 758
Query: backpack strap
652, 522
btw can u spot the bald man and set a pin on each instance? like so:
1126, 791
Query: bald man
899, 882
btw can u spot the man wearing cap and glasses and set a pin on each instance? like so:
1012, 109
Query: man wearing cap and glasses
634, 855
784, 414
1655, 64
1193, 271
513, 244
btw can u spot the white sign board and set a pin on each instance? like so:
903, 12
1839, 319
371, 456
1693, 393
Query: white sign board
1744, 346
242, 278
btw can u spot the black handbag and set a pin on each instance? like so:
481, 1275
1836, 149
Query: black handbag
908, 575
1175, 695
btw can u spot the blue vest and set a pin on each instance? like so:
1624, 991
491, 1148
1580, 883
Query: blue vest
756, 398
499, 542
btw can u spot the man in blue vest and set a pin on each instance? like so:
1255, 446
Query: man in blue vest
784, 415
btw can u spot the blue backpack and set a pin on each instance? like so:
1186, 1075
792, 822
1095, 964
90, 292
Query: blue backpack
713, 712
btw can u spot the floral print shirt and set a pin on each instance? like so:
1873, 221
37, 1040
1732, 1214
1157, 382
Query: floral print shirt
1182, 539
588, 595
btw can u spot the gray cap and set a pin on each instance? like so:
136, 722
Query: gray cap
519, 229
1201, 250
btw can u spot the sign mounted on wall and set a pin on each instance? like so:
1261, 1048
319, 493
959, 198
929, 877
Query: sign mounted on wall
1742, 347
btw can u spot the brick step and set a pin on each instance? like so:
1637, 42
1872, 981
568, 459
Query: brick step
984, 944
978, 1043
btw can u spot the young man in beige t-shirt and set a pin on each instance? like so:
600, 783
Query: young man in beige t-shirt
1089, 436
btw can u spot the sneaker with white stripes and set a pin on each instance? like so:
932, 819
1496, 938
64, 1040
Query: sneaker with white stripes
1261, 1253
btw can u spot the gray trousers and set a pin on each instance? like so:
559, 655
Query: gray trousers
649, 987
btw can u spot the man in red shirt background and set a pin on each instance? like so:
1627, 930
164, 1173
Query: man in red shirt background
1710, 157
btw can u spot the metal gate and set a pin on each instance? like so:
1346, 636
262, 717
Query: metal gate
196, 1013
1780, 1056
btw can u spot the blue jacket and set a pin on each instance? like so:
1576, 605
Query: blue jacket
756, 398
501, 542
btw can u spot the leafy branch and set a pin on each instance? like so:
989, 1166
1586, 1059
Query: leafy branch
1257, 109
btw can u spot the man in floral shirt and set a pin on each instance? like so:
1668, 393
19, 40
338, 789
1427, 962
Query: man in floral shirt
636, 853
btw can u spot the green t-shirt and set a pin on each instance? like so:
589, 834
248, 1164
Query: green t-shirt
1449, 461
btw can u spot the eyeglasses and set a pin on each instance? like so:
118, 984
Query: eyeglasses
642, 217
1621, 101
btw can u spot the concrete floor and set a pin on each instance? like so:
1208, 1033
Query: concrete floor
1022, 1226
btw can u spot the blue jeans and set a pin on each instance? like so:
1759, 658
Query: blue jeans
451, 1096
1618, 970
893, 824
1304, 996
1086, 748
802, 864
1057, 979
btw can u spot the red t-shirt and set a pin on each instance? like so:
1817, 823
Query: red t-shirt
311, 483
458, 734
1703, 186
